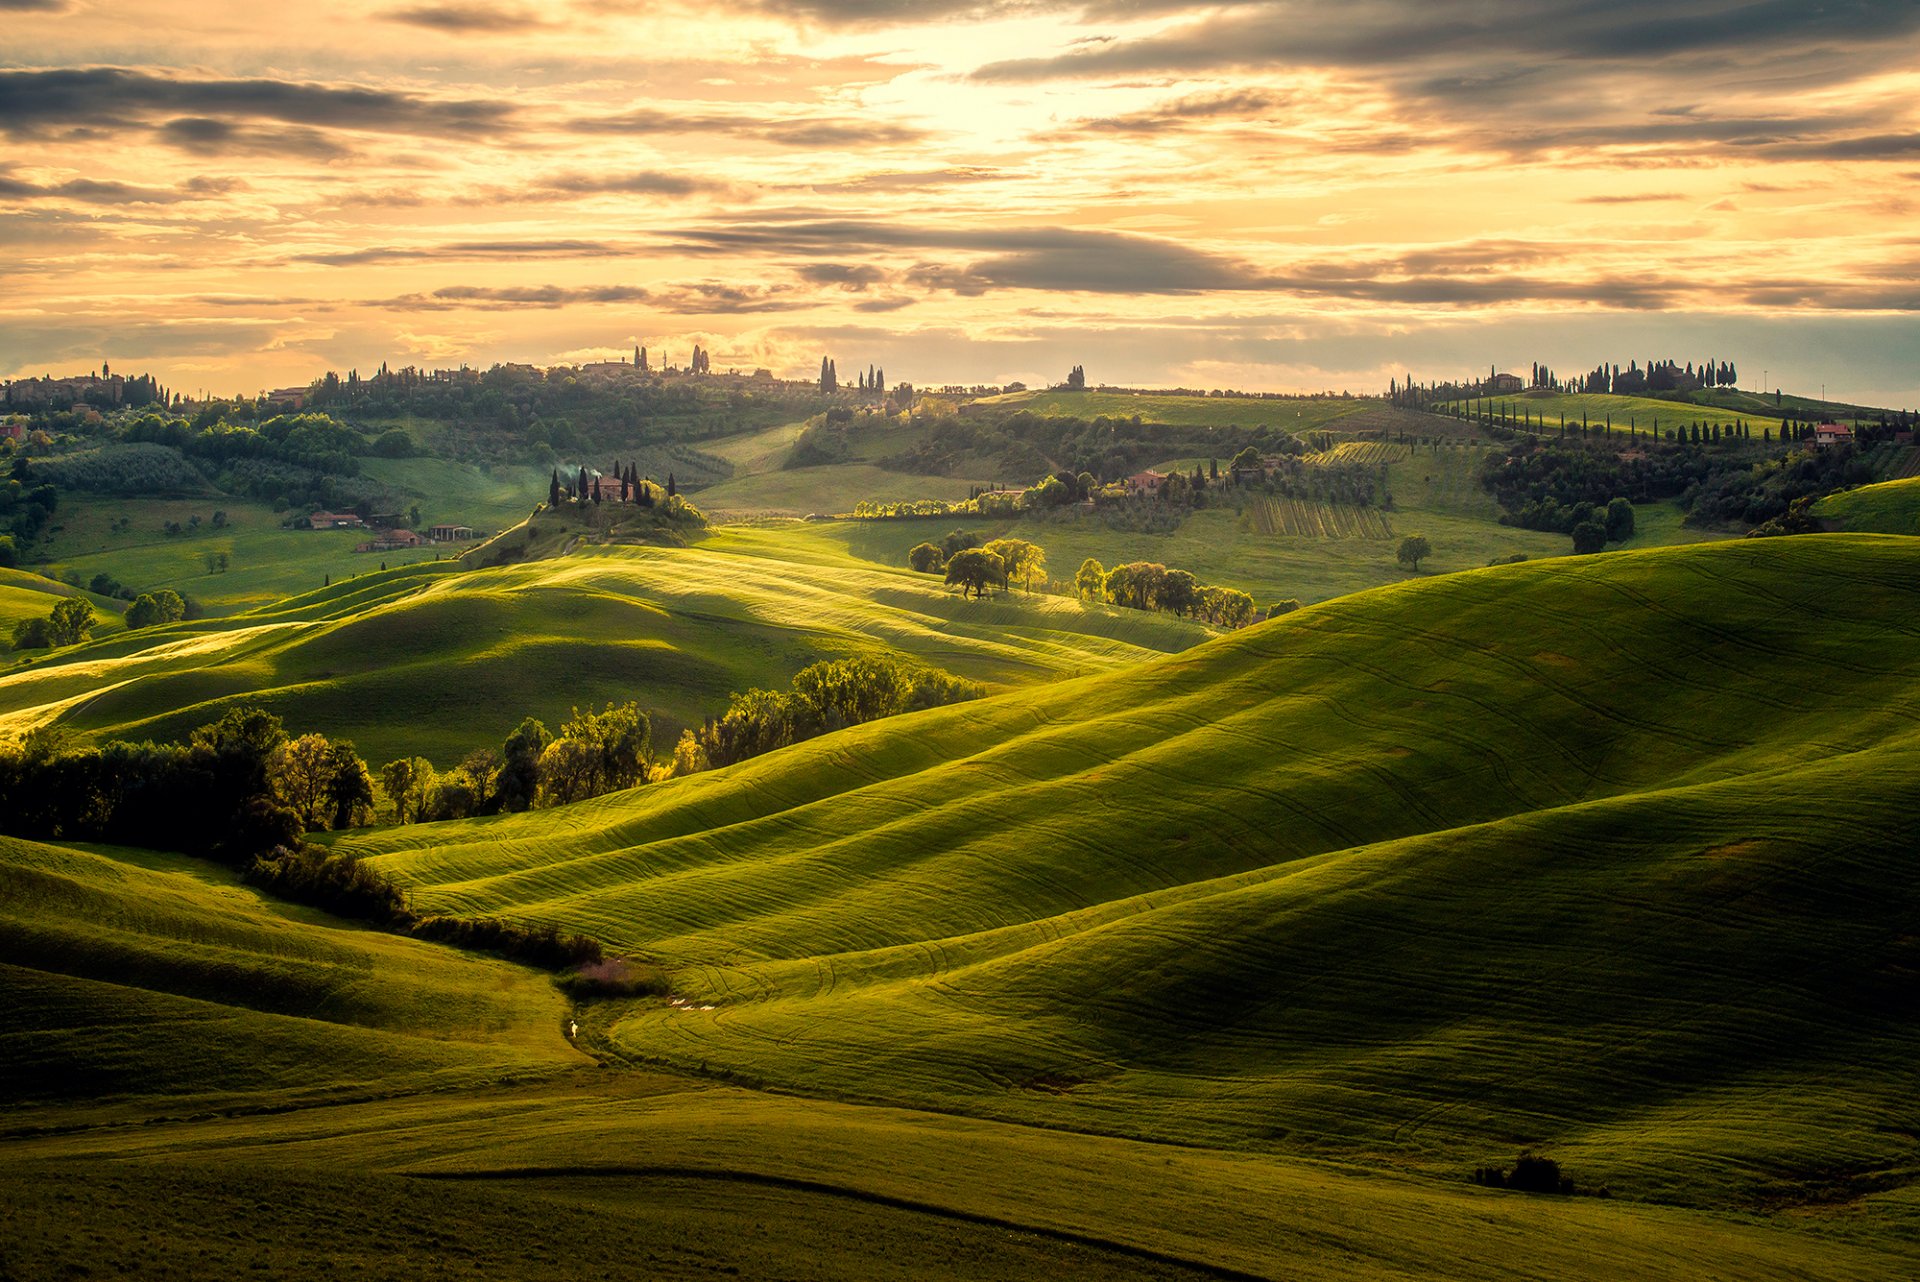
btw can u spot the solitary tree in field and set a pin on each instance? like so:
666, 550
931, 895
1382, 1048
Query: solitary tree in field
1090, 580
1413, 550
671, 488
1589, 537
974, 570
926, 558
553, 490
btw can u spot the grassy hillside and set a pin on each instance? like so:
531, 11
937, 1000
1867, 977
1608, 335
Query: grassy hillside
129, 975
1609, 857
24, 595
1303, 414
1641, 412
393, 661
602, 1174
1436, 492
1891, 507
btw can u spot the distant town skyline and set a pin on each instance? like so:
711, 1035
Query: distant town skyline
1267, 195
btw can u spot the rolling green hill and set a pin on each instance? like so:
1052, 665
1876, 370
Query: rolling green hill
1641, 412
1229, 963
1293, 413
112, 962
393, 661
1607, 856
1891, 507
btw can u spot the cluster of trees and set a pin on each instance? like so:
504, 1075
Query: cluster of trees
594, 753
1658, 376
238, 787
1076, 379
1558, 485
151, 608
26, 506
1022, 443
1148, 585
69, 623
976, 567
823, 697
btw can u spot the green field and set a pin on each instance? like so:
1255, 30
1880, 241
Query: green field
394, 661
1436, 492
1640, 413
1293, 413
26, 596
1382, 880
1891, 507
1233, 962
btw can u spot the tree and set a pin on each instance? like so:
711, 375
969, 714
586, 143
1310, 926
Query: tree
566, 772
397, 779
926, 558
1076, 379
1179, 592
672, 489
71, 621
553, 490
689, 757
1090, 580
974, 570
150, 608
217, 562
1413, 550
453, 795
1022, 560
619, 744
1247, 460
300, 773
517, 785
9, 553
1589, 537
350, 792
1619, 521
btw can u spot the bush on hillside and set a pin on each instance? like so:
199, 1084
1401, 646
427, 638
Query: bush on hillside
614, 977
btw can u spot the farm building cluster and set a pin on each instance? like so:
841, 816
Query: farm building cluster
389, 534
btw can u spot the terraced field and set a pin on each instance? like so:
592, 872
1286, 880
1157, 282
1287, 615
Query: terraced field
1609, 857
393, 661
1305, 518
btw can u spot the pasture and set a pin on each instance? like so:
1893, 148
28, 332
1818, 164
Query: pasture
1232, 961
1891, 507
392, 660
1387, 881
1295, 414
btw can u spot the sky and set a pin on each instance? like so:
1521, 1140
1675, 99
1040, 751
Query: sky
1270, 195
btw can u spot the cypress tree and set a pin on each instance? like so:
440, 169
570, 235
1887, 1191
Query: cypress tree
553, 490
671, 490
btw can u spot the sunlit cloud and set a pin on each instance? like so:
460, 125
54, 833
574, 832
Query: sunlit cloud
1276, 192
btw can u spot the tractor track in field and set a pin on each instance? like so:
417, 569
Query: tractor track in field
869, 1197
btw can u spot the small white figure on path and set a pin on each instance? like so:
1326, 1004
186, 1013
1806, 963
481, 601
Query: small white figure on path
573, 1030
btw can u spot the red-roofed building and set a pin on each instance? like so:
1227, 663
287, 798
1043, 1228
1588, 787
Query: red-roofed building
392, 541
1147, 482
335, 521
1833, 434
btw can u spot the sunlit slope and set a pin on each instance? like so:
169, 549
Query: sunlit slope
130, 974
1610, 853
1891, 507
429, 661
29, 596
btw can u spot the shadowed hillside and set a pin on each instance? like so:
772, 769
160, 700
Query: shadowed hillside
1609, 855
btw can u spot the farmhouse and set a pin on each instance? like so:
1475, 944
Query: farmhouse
450, 533
335, 521
1147, 482
1832, 434
1506, 384
391, 540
